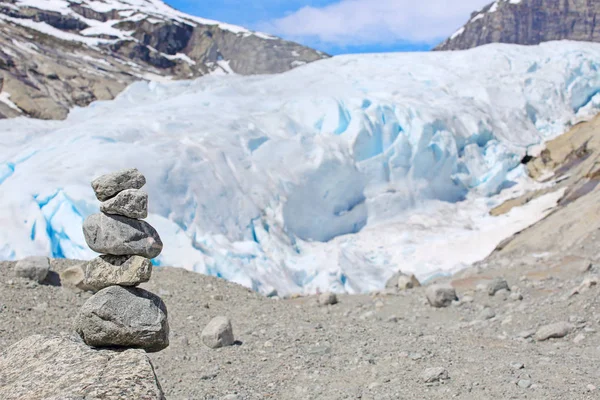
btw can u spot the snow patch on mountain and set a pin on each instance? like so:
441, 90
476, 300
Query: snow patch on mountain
329, 177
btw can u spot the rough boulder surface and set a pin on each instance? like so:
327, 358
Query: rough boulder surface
130, 203
105, 271
33, 268
218, 333
61, 367
118, 235
109, 185
124, 317
528, 22
441, 295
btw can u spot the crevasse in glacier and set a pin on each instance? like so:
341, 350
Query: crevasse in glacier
331, 176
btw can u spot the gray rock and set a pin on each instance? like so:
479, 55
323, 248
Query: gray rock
402, 281
486, 314
60, 367
124, 317
132, 203
496, 285
73, 278
441, 295
107, 186
117, 235
326, 299
33, 268
105, 271
218, 333
437, 374
554, 331
524, 383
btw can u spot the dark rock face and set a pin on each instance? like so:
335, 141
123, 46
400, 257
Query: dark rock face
45, 74
529, 22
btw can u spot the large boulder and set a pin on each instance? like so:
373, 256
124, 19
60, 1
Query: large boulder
107, 186
117, 235
218, 333
124, 317
105, 271
33, 268
62, 367
441, 295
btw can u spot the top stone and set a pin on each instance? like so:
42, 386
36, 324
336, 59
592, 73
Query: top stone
109, 185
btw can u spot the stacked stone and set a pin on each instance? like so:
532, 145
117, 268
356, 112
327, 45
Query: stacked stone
120, 314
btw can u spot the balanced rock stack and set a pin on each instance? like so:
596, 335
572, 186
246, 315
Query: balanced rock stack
120, 314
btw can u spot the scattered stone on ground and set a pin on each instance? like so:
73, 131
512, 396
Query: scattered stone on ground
554, 331
33, 268
218, 333
436, 374
441, 295
402, 281
327, 299
496, 285
63, 367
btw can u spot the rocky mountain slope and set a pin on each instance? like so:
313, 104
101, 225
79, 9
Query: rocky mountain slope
58, 54
528, 22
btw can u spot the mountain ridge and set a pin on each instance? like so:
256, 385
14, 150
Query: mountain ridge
58, 54
528, 22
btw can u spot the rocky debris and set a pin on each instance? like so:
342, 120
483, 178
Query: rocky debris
528, 22
441, 295
218, 333
496, 285
61, 367
130, 203
486, 313
116, 183
120, 315
47, 73
431, 375
107, 270
119, 235
73, 278
124, 317
586, 285
554, 331
327, 299
33, 268
402, 281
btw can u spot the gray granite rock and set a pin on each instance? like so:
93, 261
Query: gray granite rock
109, 185
62, 367
117, 235
402, 281
441, 295
431, 375
33, 268
218, 333
496, 285
107, 270
132, 203
124, 317
327, 299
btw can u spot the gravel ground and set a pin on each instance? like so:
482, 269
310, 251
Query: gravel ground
378, 346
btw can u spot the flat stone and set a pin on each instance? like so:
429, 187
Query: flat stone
33, 268
554, 331
117, 235
105, 271
124, 317
218, 333
73, 278
441, 295
437, 374
63, 367
107, 186
132, 203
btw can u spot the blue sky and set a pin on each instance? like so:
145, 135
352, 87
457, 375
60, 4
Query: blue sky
344, 26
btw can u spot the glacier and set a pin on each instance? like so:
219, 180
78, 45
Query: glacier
329, 177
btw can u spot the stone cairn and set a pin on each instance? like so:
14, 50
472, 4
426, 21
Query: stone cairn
120, 314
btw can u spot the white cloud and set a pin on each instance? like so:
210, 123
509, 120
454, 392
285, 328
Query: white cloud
349, 22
